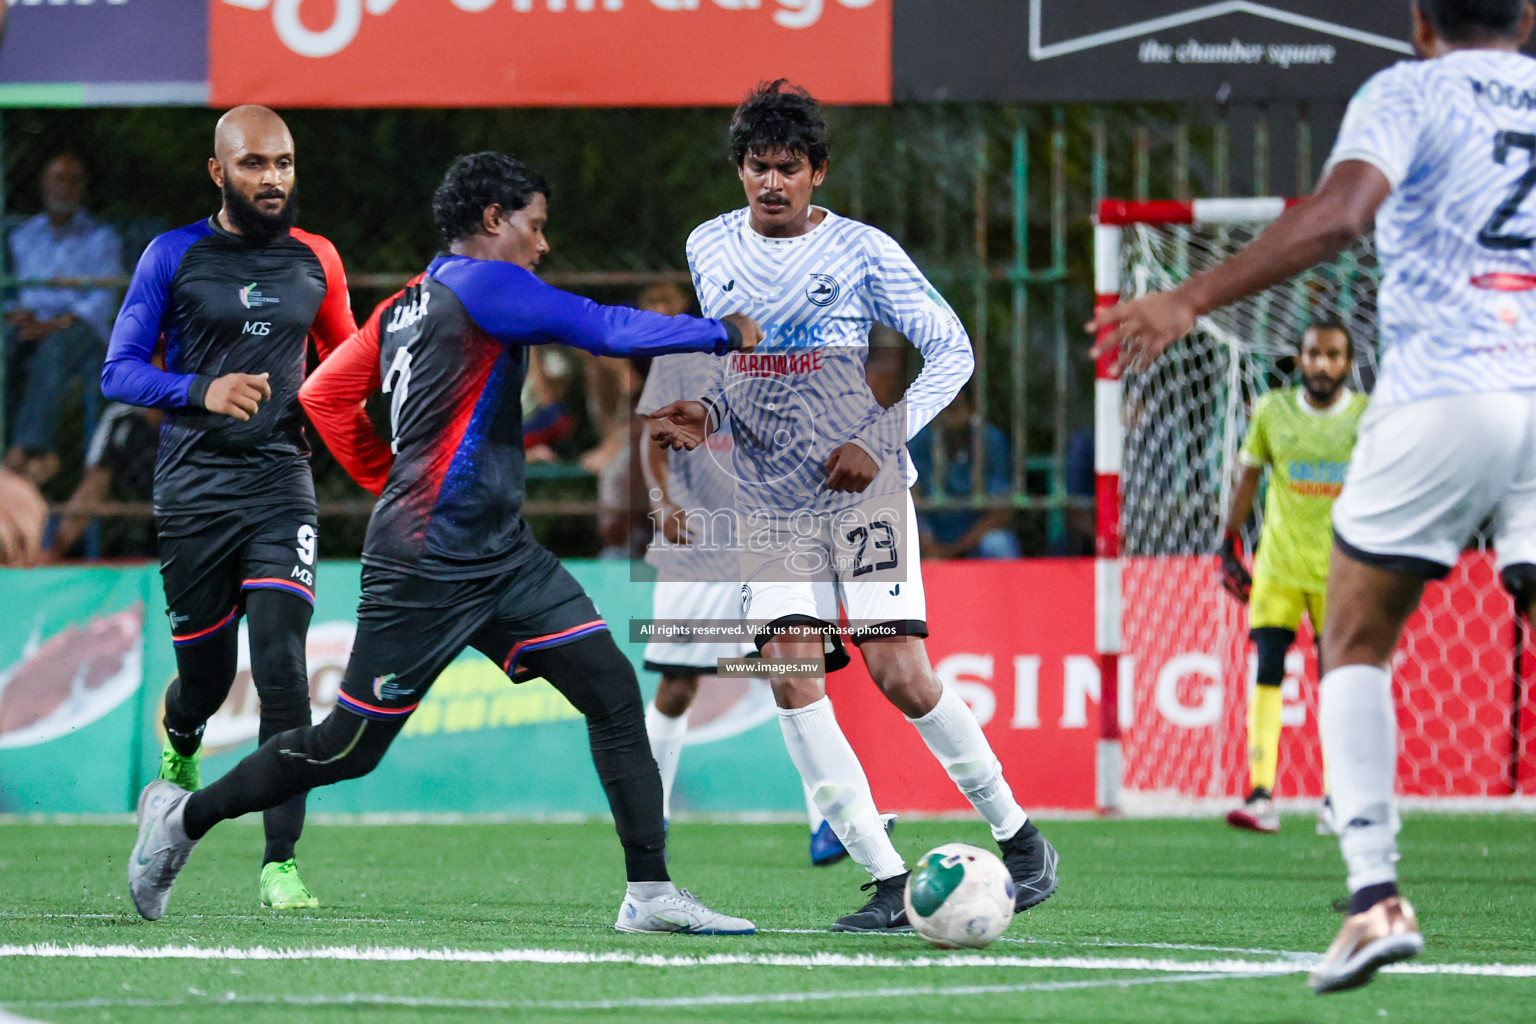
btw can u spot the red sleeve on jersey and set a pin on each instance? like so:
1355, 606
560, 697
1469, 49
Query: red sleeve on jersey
334, 323
334, 395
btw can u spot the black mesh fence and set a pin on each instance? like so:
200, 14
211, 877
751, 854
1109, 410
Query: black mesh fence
993, 203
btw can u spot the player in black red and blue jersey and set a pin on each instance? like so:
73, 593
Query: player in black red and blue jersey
233, 299
449, 561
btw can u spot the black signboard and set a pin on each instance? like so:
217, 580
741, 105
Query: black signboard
1143, 50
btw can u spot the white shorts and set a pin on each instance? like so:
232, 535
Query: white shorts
1425, 475
865, 559
694, 602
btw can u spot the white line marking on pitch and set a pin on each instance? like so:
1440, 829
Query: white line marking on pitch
732, 999
570, 957
1091, 943
1227, 967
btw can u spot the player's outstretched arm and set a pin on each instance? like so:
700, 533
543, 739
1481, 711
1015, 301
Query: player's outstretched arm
515, 307
333, 396
1318, 229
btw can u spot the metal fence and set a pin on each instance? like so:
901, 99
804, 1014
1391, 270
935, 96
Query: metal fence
993, 202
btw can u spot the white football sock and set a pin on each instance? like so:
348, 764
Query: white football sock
812, 812
666, 735
1359, 733
840, 790
955, 738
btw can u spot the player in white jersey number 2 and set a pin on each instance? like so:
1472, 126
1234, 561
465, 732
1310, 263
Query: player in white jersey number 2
823, 482
1441, 155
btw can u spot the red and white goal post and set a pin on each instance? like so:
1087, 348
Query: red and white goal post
1175, 663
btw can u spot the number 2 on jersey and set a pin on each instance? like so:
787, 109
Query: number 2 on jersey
1490, 236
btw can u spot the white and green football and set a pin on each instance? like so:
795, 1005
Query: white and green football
959, 897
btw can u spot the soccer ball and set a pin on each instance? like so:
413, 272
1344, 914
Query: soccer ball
959, 897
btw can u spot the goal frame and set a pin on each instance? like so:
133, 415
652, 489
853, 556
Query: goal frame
1113, 217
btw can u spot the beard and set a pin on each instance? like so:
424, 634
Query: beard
255, 225
1322, 389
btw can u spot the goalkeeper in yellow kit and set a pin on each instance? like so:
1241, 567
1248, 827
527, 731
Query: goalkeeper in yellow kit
1304, 435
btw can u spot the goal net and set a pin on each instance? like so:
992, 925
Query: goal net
1180, 641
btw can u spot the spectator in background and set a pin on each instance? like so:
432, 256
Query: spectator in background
119, 464
58, 334
941, 452
613, 388
547, 425
1082, 523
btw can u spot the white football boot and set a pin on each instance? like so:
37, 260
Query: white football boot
677, 911
161, 850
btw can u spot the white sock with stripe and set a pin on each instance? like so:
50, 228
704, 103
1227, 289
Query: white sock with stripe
954, 737
840, 790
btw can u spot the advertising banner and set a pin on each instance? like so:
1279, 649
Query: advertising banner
71, 669
85, 658
1142, 50
486, 53
1015, 639
107, 53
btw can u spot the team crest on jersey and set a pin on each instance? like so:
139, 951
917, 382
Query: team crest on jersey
385, 687
823, 290
251, 297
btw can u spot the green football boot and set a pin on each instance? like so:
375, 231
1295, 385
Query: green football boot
283, 889
184, 771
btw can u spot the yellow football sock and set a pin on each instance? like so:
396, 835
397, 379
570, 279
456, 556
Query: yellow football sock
1263, 737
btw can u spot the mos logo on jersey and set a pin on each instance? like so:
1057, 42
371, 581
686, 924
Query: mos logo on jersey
251, 297
823, 290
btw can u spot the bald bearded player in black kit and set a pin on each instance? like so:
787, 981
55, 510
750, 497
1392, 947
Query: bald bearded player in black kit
233, 299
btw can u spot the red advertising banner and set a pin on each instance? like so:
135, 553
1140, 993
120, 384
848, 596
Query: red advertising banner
486, 53
1016, 641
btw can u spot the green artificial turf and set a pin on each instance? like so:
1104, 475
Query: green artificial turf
1131, 890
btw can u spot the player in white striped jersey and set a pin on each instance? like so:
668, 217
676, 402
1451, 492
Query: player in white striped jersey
696, 556
823, 481
1441, 155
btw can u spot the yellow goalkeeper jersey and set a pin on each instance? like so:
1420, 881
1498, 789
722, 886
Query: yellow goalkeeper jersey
1307, 451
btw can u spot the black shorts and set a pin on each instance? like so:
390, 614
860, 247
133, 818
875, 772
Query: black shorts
209, 561
410, 628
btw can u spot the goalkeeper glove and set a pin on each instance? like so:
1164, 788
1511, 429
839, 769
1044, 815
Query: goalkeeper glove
1234, 575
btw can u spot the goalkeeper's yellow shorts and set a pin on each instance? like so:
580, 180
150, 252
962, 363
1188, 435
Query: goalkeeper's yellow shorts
1272, 604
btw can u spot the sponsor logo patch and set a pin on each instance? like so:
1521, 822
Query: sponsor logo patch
251, 297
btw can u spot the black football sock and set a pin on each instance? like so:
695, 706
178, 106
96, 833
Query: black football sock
344, 746
205, 671
600, 682
278, 622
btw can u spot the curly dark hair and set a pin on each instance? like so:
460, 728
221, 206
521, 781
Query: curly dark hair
777, 115
1468, 21
477, 180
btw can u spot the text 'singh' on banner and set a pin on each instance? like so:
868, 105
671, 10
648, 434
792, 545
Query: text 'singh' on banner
468, 53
